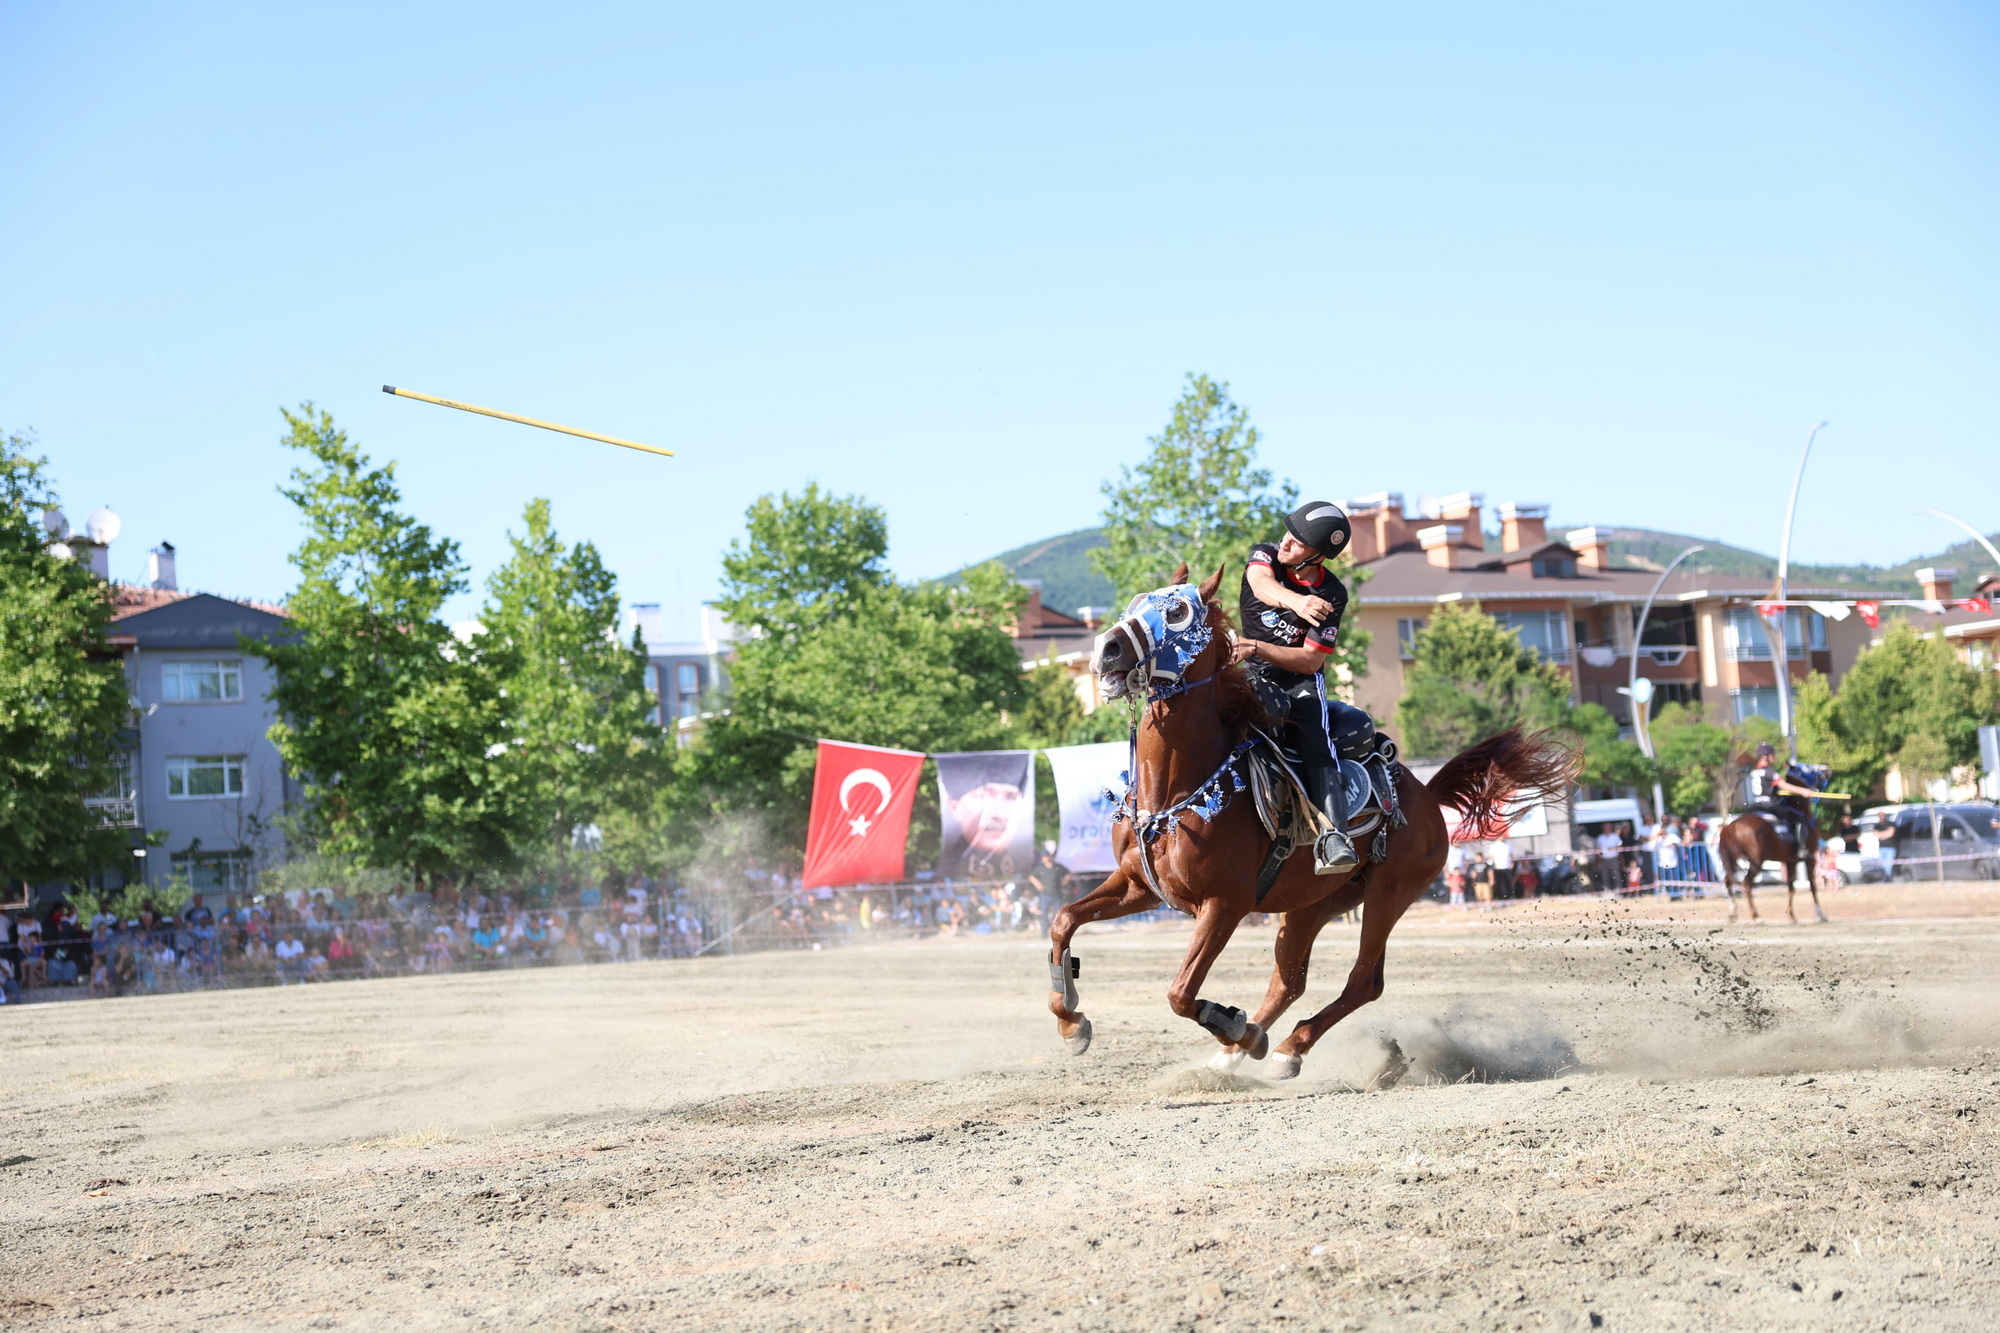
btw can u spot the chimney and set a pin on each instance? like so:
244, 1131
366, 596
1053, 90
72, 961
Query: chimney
1592, 547
644, 617
1091, 616
1442, 543
1936, 583
160, 568
1463, 509
1379, 526
1523, 527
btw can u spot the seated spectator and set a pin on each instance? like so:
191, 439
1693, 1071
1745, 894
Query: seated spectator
164, 963
535, 938
34, 964
487, 946
290, 955
316, 967
340, 956
124, 969
10, 993
100, 974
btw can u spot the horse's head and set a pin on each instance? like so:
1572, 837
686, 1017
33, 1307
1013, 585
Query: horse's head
1159, 638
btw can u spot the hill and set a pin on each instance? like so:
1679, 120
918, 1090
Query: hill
1069, 580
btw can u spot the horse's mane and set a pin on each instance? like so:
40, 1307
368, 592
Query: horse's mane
1236, 699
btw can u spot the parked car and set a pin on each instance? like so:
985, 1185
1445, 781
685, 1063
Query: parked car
1968, 834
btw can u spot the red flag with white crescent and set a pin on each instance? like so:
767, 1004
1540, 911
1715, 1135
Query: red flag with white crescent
860, 814
1871, 613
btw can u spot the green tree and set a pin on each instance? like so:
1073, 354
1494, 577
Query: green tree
1198, 496
1694, 757
385, 717
1904, 687
864, 659
1470, 679
62, 691
580, 738
1050, 710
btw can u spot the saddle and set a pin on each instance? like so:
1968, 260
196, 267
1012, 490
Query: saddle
1783, 826
1292, 819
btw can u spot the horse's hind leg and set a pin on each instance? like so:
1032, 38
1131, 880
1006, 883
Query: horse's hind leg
1117, 896
1364, 981
1812, 886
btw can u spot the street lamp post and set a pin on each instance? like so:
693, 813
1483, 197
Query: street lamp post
1642, 726
1977, 535
1781, 666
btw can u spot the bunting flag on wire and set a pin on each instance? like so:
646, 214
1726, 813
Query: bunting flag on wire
862, 795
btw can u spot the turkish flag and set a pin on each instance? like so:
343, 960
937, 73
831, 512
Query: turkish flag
1983, 605
860, 814
1871, 612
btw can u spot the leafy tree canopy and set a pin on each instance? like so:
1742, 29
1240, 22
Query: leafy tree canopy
384, 717
62, 691
580, 737
1198, 496
1907, 687
1470, 679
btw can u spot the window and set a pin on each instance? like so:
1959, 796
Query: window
1674, 692
1406, 635
1756, 701
1539, 630
214, 872
1554, 567
204, 777
687, 679
1748, 642
1668, 627
652, 680
201, 682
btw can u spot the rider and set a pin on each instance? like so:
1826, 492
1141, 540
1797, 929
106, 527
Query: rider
1769, 787
1291, 607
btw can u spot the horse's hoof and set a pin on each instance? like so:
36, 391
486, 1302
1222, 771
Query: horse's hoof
1260, 1046
1282, 1066
1079, 1043
1225, 1061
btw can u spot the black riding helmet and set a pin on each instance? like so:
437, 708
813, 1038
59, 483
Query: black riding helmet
1322, 525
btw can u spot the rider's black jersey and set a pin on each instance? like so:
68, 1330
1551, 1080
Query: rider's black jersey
1282, 625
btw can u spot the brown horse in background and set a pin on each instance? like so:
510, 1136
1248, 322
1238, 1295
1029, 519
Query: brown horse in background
1748, 841
1206, 863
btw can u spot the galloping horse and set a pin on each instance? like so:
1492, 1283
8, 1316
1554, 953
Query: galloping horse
1184, 836
1749, 840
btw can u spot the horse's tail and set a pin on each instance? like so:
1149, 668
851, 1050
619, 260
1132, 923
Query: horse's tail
1509, 771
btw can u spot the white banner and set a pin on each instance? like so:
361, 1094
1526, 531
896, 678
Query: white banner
1082, 773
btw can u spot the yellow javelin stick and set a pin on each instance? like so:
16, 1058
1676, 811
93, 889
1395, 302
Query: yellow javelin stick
525, 421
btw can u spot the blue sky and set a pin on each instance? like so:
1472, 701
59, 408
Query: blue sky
957, 259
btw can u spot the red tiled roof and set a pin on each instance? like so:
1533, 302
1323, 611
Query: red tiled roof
129, 599
1407, 576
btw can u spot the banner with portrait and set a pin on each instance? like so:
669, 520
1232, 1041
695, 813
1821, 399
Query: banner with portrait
988, 808
1083, 772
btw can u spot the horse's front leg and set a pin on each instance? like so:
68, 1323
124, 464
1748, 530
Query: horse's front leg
1117, 896
1291, 956
1214, 922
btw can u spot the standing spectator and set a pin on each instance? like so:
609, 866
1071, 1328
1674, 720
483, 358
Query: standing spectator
1047, 878
1667, 856
1454, 874
1503, 868
1608, 843
1528, 878
10, 993
1480, 872
10, 953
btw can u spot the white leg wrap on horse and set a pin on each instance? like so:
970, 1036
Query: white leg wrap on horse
1225, 1061
1282, 1067
1079, 1043
1062, 979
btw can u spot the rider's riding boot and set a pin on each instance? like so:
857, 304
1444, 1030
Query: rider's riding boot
1333, 854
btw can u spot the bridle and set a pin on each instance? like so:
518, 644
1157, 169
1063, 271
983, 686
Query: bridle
1169, 630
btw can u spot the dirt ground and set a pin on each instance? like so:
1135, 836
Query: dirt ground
1562, 1115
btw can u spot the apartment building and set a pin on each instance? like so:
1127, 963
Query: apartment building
199, 766
1703, 642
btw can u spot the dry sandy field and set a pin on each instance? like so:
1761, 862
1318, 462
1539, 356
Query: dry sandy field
1562, 1115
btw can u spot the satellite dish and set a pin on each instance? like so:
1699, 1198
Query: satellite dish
61, 551
55, 522
1642, 689
103, 526
1428, 506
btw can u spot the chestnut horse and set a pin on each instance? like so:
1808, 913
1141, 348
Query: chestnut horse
1188, 827
1748, 841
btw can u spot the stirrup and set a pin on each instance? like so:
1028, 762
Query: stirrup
1333, 854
